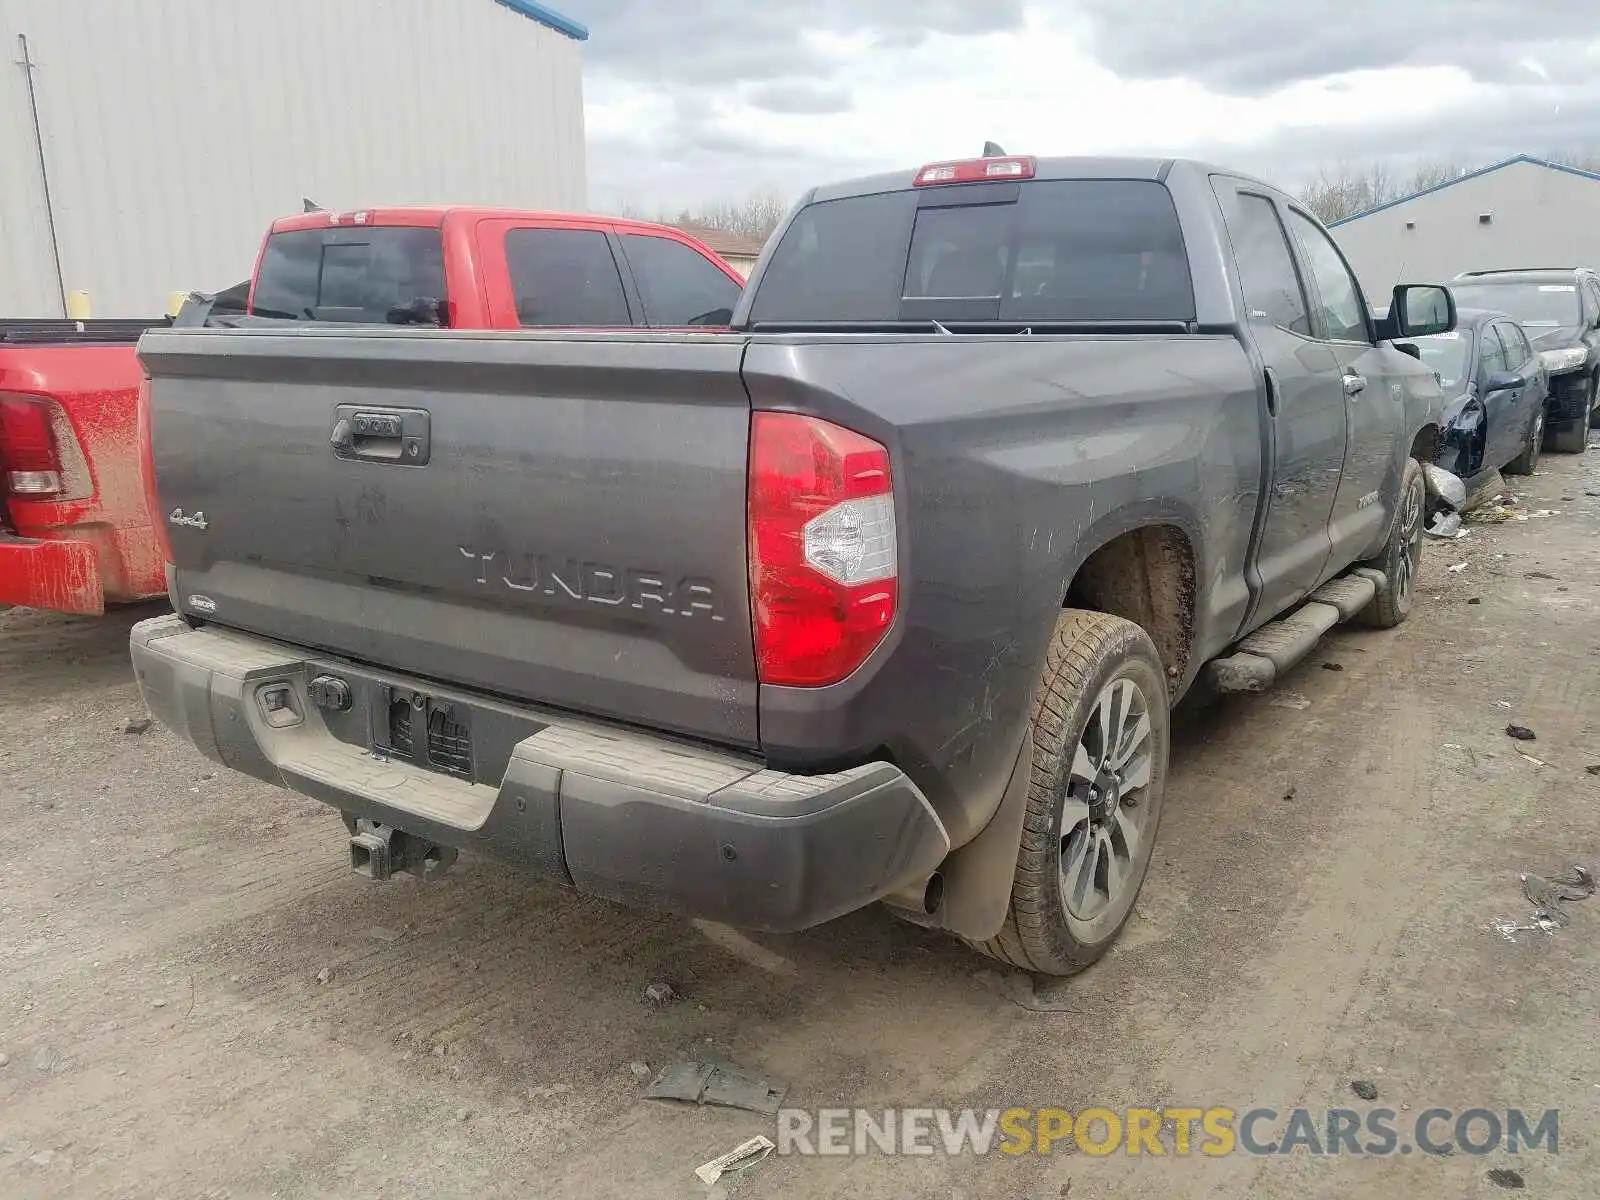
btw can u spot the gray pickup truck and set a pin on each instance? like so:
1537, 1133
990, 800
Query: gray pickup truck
883, 594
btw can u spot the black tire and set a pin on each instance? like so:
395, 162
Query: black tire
1528, 460
1074, 824
1594, 395
1571, 438
1402, 553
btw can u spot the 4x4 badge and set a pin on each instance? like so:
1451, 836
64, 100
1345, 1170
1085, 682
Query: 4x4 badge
178, 517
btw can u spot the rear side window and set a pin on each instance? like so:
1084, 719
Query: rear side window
1068, 250
565, 277
1511, 339
678, 285
348, 274
1271, 286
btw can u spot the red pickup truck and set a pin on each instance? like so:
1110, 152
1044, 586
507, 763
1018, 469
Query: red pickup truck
74, 533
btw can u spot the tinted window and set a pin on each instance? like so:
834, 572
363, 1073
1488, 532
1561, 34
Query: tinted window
1075, 250
565, 277
1267, 276
1534, 305
677, 284
1511, 339
348, 274
1491, 354
1340, 306
1446, 353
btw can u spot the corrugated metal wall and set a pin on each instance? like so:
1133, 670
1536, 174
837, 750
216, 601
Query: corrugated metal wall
176, 130
1540, 217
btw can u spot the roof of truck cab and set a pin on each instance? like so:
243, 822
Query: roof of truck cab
1055, 168
434, 216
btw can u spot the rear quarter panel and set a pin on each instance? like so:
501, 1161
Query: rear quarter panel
1015, 458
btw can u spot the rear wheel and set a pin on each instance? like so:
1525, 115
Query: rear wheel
1572, 436
1524, 463
1402, 554
1100, 739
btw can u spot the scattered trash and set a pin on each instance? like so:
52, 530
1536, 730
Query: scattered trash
1538, 575
1505, 1177
1509, 929
741, 1157
1474, 600
721, 1084
659, 994
1446, 526
1548, 895
1332, 667
158, 1004
1292, 700
640, 1069
1538, 762
1522, 733
1502, 704
1365, 1089
136, 725
1494, 514
1291, 793
325, 975
1458, 568
1593, 769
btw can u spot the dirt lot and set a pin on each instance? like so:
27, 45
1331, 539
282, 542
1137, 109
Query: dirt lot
197, 998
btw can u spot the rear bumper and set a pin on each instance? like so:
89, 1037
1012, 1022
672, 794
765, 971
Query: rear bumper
611, 811
63, 576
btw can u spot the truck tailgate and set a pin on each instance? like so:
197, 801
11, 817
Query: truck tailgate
555, 517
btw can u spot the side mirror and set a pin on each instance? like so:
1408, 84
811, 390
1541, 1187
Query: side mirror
1502, 381
1417, 310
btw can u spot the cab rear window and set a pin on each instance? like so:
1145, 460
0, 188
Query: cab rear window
1063, 250
353, 274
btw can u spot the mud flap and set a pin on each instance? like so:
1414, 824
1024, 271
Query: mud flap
978, 877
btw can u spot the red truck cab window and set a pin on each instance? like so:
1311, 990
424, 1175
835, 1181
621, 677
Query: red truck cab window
356, 273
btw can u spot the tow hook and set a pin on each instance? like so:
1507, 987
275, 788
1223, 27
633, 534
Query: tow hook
379, 851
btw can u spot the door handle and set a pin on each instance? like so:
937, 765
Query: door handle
1354, 384
382, 435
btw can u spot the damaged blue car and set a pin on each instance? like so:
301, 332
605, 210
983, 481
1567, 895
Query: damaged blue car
1497, 394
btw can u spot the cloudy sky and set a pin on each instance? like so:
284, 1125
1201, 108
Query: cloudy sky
712, 99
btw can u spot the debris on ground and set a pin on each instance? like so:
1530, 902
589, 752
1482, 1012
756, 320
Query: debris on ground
1457, 568
1474, 600
741, 1157
659, 994
463, 1115
136, 725
1290, 794
1593, 768
1548, 895
1446, 525
1538, 575
1017, 987
1538, 762
640, 1069
1522, 733
1292, 700
1505, 1177
325, 975
1332, 667
723, 1085
1502, 704
158, 1004
1364, 1088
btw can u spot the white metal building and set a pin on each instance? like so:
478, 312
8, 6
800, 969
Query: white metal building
145, 145
1523, 212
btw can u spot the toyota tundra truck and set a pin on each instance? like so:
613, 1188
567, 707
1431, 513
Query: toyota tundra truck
883, 594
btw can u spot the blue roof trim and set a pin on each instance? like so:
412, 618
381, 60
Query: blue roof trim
1508, 162
548, 16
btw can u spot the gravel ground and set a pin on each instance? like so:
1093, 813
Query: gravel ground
198, 999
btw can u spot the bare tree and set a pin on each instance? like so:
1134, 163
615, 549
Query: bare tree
756, 215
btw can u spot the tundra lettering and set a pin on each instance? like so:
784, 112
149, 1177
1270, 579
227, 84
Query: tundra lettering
598, 583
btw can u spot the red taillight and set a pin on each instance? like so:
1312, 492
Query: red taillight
29, 456
823, 560
976, 170
147, 475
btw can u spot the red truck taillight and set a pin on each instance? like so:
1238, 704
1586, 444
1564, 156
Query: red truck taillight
824, 568
30, 458
147, 474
